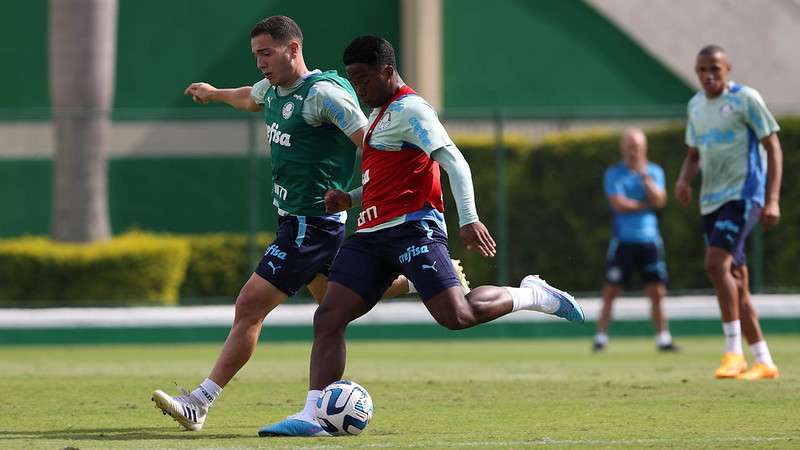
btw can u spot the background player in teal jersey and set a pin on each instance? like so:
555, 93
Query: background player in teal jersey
635, 189
730, 133
314, 124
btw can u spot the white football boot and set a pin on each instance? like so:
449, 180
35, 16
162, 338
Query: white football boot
184, 408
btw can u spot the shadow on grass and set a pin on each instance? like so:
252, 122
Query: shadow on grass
114, 434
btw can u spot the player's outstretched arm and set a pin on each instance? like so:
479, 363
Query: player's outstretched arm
689, 169
771, 214
239, 98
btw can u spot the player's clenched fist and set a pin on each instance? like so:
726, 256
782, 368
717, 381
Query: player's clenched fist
336, 200
201, 93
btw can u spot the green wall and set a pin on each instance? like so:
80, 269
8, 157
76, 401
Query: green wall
551, 54
164, 45
183, 195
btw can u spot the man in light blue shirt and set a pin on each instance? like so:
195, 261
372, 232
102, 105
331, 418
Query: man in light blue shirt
733, 138
635, 189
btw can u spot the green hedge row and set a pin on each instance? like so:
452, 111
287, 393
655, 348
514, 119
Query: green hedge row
559, 221
219, 264
134, 268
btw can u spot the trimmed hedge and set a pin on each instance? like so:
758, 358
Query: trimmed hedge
131, 268
219, 264
559, 221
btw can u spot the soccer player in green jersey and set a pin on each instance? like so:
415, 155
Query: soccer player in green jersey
314, 124
732, 135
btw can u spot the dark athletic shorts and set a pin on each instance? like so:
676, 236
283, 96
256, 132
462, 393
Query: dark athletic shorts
367, 263
626, 257
729, 226
303, 247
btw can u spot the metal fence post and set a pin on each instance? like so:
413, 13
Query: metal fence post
501, 169
253, 246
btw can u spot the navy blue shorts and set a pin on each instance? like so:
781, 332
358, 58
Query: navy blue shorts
626, 257
303, 247
367, 263
729, 226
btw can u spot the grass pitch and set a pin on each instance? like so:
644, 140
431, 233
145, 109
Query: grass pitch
442, 394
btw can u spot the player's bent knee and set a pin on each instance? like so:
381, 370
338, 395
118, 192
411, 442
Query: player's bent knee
249, 308
329, 321
455, 321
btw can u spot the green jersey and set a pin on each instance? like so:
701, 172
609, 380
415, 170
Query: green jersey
308, 159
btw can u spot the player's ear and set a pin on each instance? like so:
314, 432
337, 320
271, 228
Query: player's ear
388, 70
294, 48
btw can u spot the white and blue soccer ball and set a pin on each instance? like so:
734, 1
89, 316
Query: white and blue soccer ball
344, 408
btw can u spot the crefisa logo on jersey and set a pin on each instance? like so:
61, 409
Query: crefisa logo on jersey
274, 135
287, 110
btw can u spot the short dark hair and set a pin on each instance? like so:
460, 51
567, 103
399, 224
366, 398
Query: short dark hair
711, 49
281, 28
371, 50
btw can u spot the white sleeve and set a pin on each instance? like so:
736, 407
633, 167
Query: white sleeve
424, 130
259, 90
327, 102
460, 176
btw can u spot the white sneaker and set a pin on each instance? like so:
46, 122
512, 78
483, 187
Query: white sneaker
568, 308
184, 408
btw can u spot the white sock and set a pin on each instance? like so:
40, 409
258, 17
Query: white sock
411, 288
601, 338
663, 338
207, 392
309, 412
761, 353
532, 298
733, 336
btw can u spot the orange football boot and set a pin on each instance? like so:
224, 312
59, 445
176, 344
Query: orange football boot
732, 365
759, 371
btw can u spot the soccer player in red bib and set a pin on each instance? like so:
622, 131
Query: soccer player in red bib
401, 229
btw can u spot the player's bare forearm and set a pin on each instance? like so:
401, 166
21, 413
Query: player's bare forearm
774, 167
622, 204
656, 197
239, 98
770, 215
689, 170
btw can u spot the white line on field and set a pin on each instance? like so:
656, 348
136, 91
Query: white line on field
548, 441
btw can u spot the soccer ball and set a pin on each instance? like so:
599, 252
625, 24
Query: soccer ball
344, 408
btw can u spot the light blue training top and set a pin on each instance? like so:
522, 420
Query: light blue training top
638, 226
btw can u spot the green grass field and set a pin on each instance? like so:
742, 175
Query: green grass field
442, 394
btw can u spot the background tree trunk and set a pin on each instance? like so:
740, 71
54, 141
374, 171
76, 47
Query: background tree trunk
83, 42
